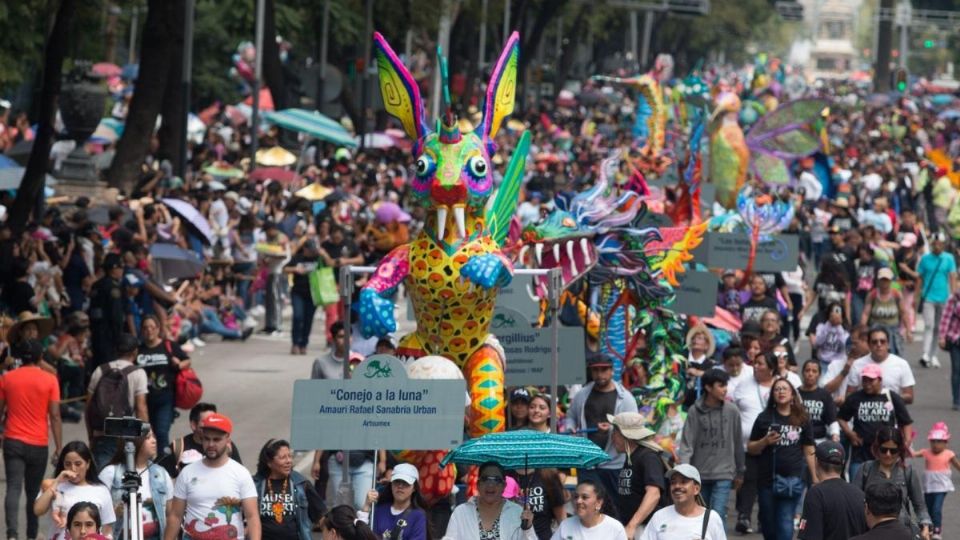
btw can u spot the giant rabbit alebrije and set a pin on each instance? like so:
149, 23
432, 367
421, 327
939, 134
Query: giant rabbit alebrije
454, 268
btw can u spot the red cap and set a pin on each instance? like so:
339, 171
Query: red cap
218, 422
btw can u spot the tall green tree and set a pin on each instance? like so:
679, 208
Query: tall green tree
33, 178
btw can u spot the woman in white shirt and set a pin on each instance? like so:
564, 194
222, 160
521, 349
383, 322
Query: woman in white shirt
75, 480
590, 523
489, 516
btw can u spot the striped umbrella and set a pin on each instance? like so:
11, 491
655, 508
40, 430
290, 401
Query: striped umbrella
525, 449
312, 123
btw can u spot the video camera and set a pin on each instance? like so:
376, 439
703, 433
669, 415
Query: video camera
125, 427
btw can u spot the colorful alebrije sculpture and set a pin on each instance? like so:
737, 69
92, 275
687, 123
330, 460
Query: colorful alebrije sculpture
652, 114
629, 268
729, 155
454, 268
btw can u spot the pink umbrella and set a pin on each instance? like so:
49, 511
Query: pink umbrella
388, 212
273, 173
106, 69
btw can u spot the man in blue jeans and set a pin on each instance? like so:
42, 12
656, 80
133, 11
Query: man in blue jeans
30, 397
711, 442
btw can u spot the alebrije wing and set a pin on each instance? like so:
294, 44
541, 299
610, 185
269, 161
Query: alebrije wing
505, 203
769, 169
401, 95
501, 91
788, 132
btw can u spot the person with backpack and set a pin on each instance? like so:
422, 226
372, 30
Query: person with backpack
641, 487
161, 360
117, 388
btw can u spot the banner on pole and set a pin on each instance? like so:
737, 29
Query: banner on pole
529, 350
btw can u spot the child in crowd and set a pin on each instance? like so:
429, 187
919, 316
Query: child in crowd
936, 477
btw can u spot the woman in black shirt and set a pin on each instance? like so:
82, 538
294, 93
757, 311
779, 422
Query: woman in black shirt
161, 359
783, 438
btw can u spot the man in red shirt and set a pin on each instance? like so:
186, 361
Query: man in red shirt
31, 399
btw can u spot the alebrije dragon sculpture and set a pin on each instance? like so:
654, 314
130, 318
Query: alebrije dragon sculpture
625, 270
454, 268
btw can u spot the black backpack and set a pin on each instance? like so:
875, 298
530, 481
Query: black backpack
111, 397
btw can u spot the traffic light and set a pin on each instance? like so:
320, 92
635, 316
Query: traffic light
900, 80
928, 43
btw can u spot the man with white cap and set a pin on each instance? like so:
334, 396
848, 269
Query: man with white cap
687, 517
641, 489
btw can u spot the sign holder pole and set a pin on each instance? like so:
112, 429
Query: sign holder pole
556, 285
345, 490
373, 504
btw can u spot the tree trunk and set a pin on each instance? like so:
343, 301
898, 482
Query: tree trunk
567, 55
171, 132
272, 70
155, 59
31, 187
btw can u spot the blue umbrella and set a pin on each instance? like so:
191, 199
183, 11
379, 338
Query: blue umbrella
173, 262
526, 449
312, 123
949, 114
11, 177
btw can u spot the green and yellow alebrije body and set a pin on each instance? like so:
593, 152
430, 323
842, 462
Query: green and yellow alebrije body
453, 270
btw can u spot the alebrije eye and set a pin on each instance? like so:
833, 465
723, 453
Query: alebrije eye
477, 166
425, 166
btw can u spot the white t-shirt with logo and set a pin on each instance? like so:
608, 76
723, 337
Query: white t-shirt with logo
668, 524
69, 494
572, 529
213, 497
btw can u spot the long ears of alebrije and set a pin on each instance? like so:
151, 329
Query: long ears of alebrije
401, 95
501, 92
449, 127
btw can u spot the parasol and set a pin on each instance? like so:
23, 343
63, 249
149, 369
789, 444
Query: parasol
106, 69
273, 173
191, 217
11, 177
173, 262
314, 192
312, 123
388, 212
275, 157
527, 449
223, 170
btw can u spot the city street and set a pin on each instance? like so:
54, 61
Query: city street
252, 382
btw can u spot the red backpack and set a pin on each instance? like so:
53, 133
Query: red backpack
188, 389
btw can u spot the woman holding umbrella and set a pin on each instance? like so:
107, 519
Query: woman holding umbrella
489, 516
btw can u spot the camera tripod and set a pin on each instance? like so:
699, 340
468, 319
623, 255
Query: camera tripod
133, 506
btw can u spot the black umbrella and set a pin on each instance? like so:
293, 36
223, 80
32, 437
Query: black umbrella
174, 262
335, 197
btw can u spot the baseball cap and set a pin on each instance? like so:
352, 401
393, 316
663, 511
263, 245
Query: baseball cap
111, 261
599, 360
685, 470
885, 273
909, 240
232, 195
830, 452
872, 371
405, 472
520, 394
218, 422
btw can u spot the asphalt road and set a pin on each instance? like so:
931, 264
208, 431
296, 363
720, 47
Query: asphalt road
252, 383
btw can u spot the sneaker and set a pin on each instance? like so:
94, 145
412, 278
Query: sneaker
249, 322
197, 342
935, 363
246, 333
257, 311
924, 362
743, 526
276, 333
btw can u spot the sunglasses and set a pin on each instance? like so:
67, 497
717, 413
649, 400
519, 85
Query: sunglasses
888, 450
878, 341
490, 480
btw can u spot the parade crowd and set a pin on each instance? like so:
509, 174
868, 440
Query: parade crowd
809, 424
